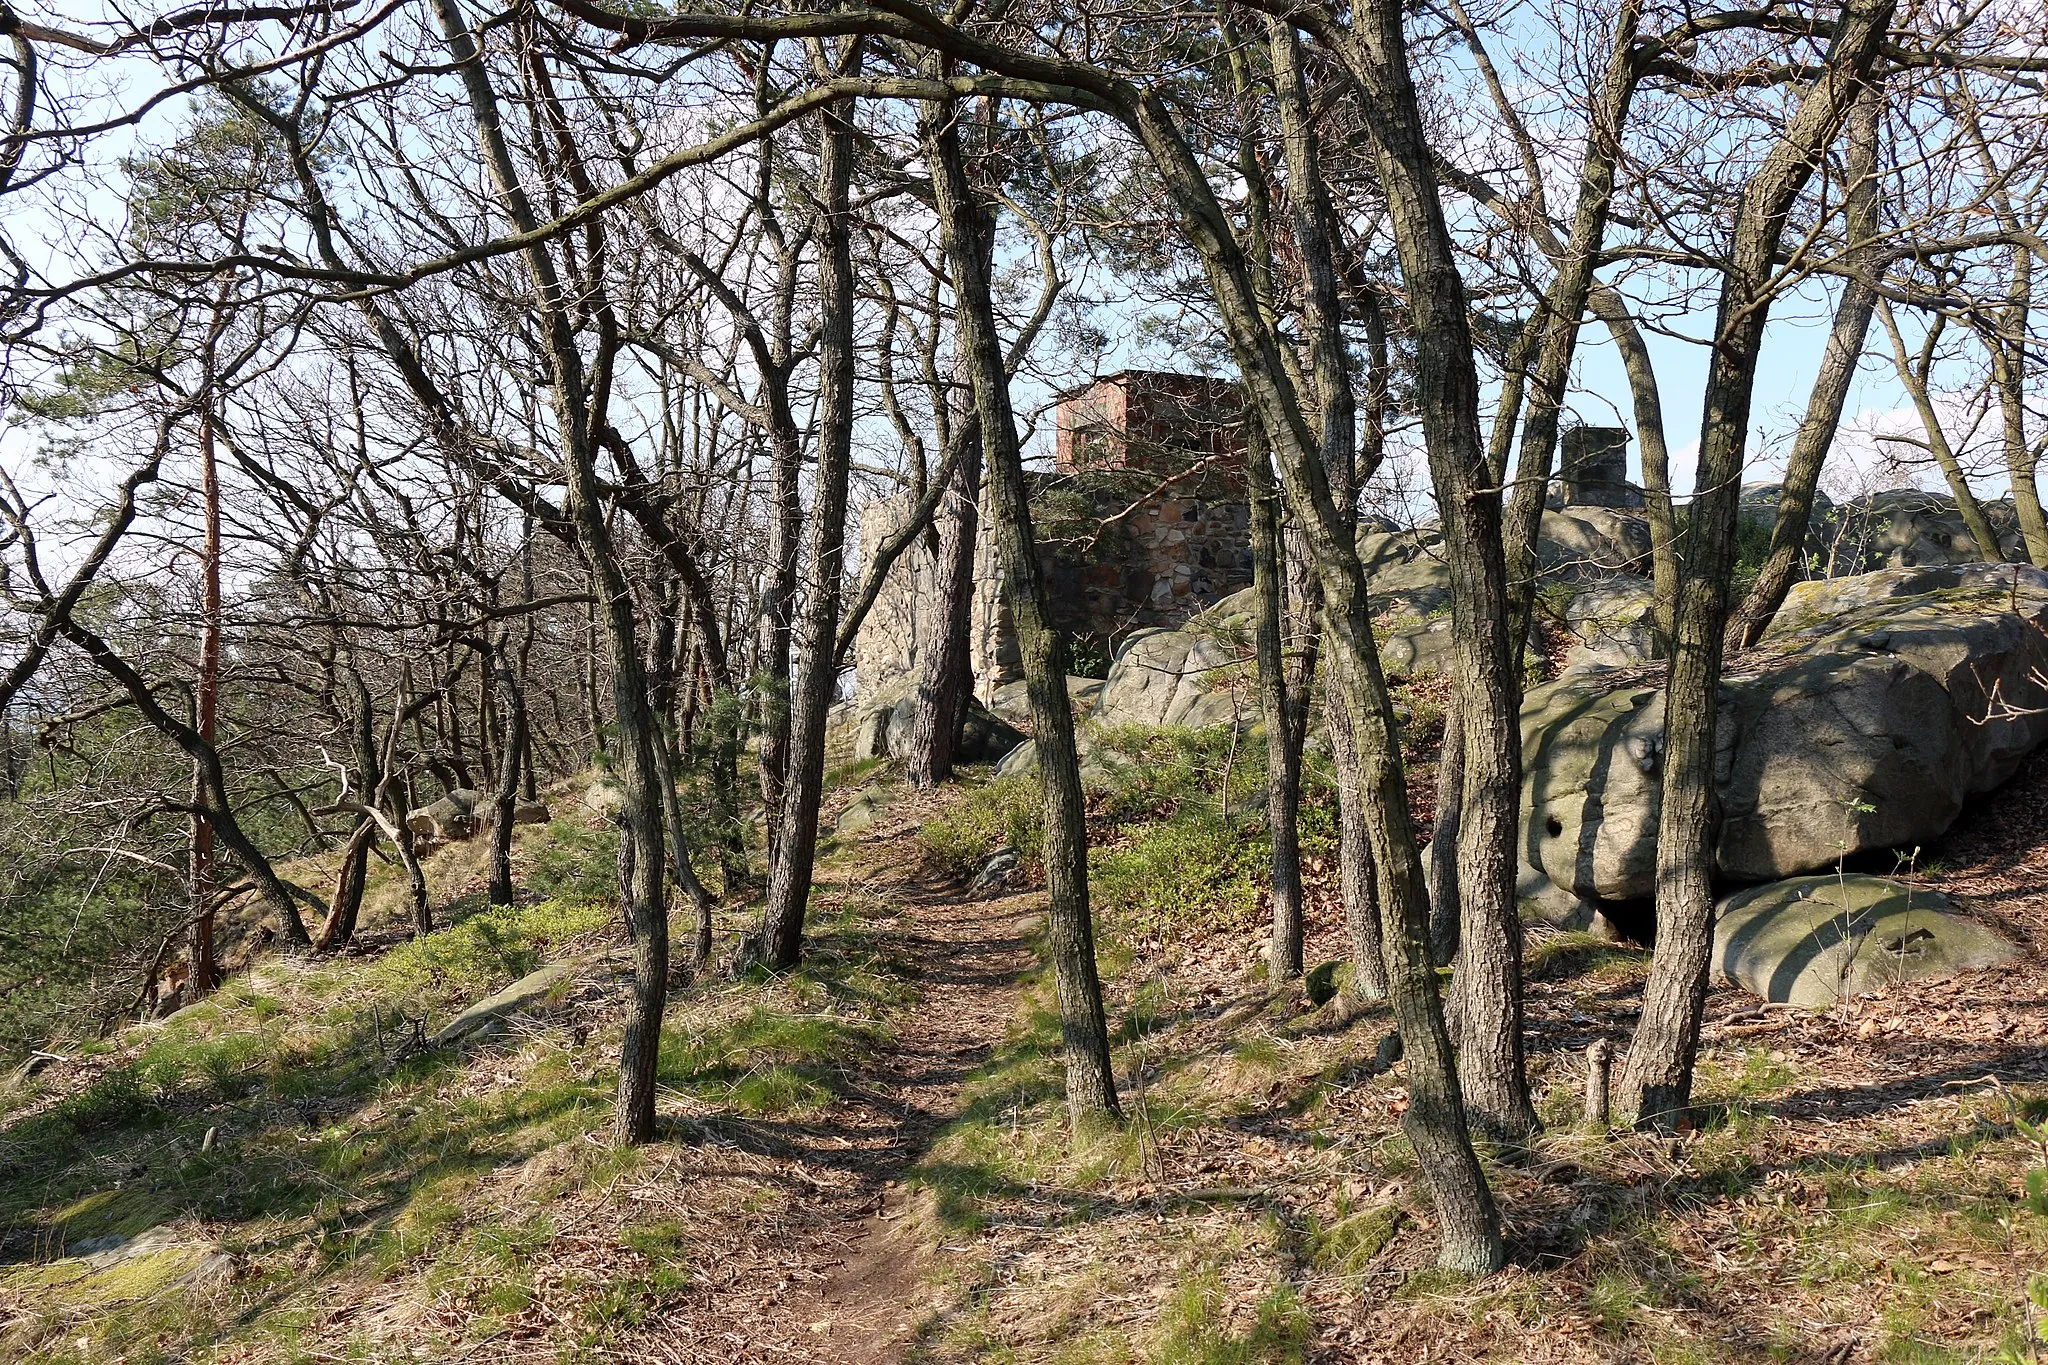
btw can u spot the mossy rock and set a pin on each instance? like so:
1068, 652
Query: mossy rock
1815, 940
1325, 980
153, 1264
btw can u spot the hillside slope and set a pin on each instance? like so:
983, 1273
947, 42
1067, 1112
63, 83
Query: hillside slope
867, 1160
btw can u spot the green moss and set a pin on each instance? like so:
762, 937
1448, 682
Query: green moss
1349, 1245
76, 1284
110, 1215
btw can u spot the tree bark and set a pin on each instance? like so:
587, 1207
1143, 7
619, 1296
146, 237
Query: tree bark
505, 800
1316, 236
1283, 755
205, 970
1091, 1085
1435, 1120
817, 676
1656, 1081
946, 676
1490, 1065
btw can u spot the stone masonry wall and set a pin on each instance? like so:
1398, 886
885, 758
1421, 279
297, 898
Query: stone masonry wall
1173, 557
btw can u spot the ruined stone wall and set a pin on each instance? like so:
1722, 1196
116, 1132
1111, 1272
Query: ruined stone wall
1142, 522
1176, 555
887, 649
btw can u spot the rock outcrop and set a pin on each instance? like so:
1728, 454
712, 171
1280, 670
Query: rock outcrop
463, 811
527, 993
882, 726
1875, 707
1904, 528
1813, 941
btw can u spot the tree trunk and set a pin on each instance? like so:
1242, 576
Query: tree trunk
1316, 234
2022, 459
1830, 391
1647, 403
505, 801
680, 862
1657, 1078
1283, 755
1091, 1086
1915, 382
946, 676
1435, 1120
796, 849
574, 415
778, 623
205, 970
1445, 905
349, 880
1490, 1070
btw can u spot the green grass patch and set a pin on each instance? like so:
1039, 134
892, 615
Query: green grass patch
768, 1061
1194, 1330
1004, 812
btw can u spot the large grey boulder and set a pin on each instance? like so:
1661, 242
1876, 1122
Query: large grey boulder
1412, 645
1908, 528
882, 728
1167, 677
1814, 941
1980, 630
1593, 553
457, 815
1866, 729
605, 796
861, 811
1760, 503
462, 812
1611, 623
1012, 701
1758, 512
1590, 757
1592, 542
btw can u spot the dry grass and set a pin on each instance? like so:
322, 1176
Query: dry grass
1856, 1189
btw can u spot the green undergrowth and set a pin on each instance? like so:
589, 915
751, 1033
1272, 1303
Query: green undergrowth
1003, 812
486, 950
292, 1127
791, 1043
1180, 845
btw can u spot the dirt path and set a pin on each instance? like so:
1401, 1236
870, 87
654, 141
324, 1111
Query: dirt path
836, 1278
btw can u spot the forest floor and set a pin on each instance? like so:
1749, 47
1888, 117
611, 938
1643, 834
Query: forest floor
867, 1160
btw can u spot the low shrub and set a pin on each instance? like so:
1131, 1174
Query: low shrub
1192, 868
1005, 812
